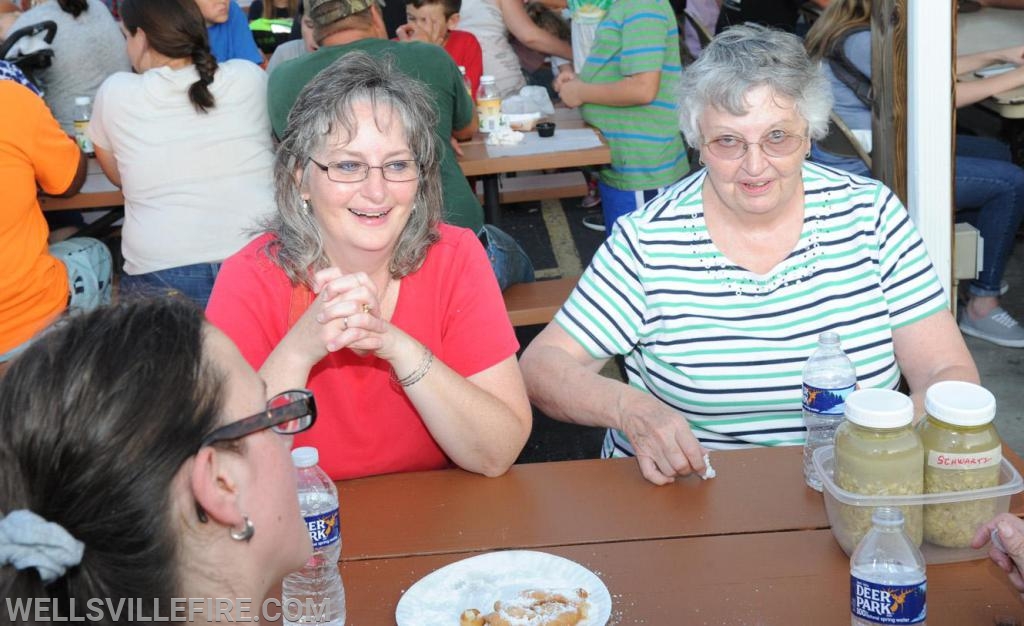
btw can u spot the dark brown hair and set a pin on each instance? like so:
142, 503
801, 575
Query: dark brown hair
176, 29
451, 7
74, 7
96, 419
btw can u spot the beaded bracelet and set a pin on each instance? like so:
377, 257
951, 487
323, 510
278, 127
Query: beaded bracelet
421, 371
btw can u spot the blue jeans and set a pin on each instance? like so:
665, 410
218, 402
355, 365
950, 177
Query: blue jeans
990, 196
195, 282
618, 202
510, 263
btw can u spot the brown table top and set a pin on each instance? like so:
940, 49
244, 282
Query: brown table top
757, 490
751, 546
475, 161
786, 578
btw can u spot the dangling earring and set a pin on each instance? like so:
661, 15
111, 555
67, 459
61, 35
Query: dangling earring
247, 531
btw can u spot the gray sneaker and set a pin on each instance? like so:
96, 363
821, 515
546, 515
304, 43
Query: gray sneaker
998, 327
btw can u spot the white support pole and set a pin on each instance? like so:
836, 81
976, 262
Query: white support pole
929, 135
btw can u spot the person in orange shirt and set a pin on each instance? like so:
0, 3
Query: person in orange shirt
39, 282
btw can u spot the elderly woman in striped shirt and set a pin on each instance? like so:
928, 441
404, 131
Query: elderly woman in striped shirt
717, 289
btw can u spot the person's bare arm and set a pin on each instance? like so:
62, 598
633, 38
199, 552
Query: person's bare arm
76, 183
108, 163
529, 34
971, 91
632, 90
1002, 4
565, 382
931, 350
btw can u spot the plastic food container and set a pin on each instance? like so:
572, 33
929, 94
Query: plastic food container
838, 503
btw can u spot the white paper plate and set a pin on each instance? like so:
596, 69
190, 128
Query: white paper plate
475, 583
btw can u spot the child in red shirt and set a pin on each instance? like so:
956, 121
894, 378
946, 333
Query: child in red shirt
434, 21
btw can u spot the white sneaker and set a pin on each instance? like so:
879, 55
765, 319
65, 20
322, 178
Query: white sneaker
997, 327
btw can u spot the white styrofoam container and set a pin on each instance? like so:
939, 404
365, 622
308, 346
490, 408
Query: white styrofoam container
837, 499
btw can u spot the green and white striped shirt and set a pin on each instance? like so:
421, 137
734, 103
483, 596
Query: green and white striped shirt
638, 36
725, 346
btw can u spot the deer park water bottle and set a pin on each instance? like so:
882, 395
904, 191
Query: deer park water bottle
887, 574
83, 113
319, 580
828, 377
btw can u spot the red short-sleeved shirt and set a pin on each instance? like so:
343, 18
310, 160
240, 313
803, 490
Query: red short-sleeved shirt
463, 47
366, 424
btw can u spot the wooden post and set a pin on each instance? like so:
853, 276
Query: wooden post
889, 81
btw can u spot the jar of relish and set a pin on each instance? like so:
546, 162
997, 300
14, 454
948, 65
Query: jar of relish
878, 453
962, 452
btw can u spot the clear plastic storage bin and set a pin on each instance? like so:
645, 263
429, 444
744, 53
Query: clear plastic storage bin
839, 502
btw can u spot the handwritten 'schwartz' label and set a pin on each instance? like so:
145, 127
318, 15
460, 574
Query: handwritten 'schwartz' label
965, 460
887, 604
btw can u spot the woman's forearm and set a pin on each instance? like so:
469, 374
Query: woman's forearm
481, 423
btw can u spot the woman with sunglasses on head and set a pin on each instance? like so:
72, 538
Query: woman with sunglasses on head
359, 292
716, 291
140, 458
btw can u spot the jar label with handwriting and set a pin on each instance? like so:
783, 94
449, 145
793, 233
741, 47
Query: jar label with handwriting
880, 603
965, 460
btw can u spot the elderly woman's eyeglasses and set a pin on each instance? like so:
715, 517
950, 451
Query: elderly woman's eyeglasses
777, 143
356, 171
287, 413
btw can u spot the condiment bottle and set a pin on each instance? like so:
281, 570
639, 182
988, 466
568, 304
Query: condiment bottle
878, 452
963, 452
83, 113
488, 104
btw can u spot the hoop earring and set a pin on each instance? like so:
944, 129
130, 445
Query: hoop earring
247, 531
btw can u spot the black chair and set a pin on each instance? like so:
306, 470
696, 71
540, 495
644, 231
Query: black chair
32, 62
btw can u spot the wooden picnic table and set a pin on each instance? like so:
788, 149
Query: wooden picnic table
751, 546
476, 161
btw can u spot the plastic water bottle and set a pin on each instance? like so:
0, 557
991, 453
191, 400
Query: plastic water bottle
488, 104
319, 580
829, 376
83, 113
465, 81
887, 574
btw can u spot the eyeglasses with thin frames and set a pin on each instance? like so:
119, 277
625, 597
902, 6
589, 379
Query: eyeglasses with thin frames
287, 413
401, 171
776, 143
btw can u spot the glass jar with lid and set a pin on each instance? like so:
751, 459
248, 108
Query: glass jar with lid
962, 452
878, 453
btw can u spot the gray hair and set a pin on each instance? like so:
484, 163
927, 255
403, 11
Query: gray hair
325, 106
744, 58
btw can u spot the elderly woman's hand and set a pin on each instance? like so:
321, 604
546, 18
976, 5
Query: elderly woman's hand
662, 440
1008, 530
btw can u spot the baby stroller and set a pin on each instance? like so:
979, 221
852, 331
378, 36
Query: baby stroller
29, 49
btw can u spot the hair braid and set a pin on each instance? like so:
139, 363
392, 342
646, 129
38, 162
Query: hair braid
206, 65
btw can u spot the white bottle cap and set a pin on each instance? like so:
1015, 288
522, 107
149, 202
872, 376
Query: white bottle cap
83, 101
486, 78
305, 457
879, 408
960, 403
